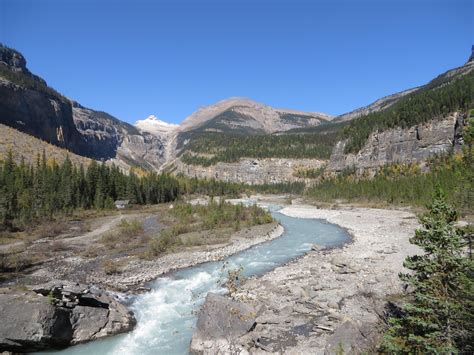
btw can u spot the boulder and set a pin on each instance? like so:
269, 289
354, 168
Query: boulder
220, 320
58, 314
31, 323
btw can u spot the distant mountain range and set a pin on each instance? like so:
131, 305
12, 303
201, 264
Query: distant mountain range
29, 105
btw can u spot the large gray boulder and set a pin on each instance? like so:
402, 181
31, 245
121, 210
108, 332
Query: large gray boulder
221, 320
57, 315
31, 323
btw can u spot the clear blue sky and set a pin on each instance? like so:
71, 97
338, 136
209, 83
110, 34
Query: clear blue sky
168, 58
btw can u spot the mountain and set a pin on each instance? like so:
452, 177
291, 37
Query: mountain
155, 126
29, 105
387, 101
244, 117
407, 127
240, 128
247, 116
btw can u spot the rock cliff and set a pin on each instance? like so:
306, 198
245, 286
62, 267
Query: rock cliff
414, 144
29, 105
251, 171
108, 138
39, 113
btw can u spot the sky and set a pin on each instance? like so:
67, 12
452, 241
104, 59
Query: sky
169, 58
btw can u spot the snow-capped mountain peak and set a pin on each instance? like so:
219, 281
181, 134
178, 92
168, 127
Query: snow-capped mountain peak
154, 125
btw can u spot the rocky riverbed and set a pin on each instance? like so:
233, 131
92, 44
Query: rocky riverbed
324, 302
65, 301
138, 272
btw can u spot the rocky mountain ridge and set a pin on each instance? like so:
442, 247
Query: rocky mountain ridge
30, 106
250, 114
387, 101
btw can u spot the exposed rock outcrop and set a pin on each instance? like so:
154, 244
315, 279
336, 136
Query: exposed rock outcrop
251, 171
108, 138
39, 113
414, 144
221, 321
59, 314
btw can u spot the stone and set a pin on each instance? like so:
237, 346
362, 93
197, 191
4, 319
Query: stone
87, 322
346, 339
69, 314
30, 323
220, 319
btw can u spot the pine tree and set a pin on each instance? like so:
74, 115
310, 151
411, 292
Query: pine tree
435, 319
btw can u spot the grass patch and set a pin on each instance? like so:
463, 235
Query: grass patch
195, 225
127, 236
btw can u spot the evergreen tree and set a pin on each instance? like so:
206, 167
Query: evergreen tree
438, 317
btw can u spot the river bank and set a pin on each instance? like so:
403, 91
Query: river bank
137, 272
50, 309
327, 300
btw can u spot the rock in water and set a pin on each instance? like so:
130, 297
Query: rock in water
57, 315
221, 319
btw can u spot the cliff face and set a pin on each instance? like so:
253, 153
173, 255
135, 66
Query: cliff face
40, 114
111, 139
414, 144
251, 171
30, 106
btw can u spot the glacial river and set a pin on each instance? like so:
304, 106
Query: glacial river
167, 314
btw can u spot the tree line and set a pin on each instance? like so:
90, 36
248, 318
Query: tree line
230, 148
34, 192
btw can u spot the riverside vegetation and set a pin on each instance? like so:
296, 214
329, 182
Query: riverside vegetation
218, 219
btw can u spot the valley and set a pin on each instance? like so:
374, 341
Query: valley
243, 229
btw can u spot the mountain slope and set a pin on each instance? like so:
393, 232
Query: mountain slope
242, 114
29, 105
28, 147
410, 127
387, 101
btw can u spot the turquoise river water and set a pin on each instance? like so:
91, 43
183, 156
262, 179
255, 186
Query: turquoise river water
167, 314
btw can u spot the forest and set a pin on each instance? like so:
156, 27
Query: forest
316, 144
35, 192
30, 193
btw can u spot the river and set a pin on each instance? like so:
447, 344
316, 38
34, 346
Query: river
167, 314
